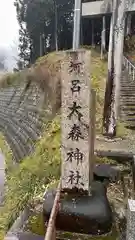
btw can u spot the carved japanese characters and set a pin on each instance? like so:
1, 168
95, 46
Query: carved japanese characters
75, 121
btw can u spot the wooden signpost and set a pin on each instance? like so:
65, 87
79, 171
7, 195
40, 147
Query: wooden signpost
75, 112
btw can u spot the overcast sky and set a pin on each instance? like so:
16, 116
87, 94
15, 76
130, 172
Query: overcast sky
8, 30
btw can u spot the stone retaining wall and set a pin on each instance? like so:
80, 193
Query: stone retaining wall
21, 107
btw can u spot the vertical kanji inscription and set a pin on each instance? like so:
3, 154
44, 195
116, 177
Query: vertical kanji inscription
75, 82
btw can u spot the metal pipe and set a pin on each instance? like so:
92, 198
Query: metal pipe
51, 231
77, 21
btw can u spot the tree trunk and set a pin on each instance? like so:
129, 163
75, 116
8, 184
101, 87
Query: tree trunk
115, 56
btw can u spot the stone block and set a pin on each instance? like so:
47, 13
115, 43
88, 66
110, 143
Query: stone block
130, 235
76, 161
81, 214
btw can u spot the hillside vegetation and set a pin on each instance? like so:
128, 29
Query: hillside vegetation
31, 176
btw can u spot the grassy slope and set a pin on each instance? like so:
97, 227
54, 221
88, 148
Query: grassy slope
43, 166
40, 168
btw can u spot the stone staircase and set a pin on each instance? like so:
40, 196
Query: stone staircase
127, 95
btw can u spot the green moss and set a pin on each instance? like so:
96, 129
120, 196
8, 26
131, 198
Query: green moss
36, 224
122, 131
104, 160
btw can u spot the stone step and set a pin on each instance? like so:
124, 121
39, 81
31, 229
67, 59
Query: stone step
130, 119
128, 101
127, 80
131, 126
127, 95
127, 85
128, 77
127, 115
124, 95
124, 102
125, 109
131, 89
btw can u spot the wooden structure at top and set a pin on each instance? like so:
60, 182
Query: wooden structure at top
99, 8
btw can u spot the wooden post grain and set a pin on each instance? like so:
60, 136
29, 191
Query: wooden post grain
51, 230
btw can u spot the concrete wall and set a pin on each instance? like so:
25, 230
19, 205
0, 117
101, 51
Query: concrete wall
100, 8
